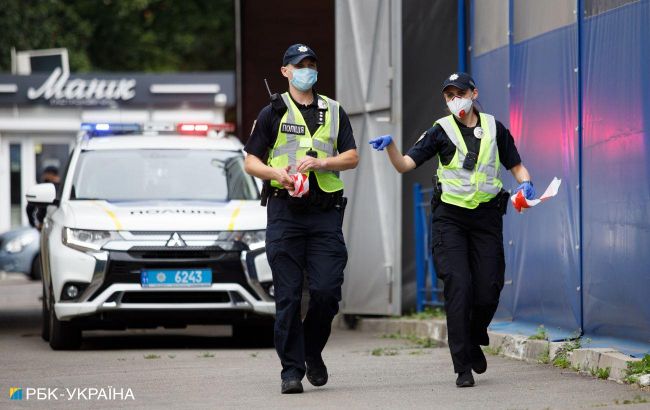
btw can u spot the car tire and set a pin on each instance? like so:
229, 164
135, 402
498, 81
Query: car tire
351, 321
63, 335
36, 272
45, 318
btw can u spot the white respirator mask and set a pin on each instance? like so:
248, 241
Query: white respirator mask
460, 107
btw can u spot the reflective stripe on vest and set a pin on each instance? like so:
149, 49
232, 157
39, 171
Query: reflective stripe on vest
291, 147
463, 187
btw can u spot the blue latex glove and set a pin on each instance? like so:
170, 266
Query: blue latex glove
528, 189
382, 142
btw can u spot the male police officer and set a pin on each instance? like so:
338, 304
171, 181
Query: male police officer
467, 220
302, 132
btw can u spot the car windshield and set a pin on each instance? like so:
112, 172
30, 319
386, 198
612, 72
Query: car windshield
137, 175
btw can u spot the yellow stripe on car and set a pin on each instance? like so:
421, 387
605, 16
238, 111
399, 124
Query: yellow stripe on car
233, 218
112, 215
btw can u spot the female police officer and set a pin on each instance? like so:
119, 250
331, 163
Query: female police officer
307, 133
467, 219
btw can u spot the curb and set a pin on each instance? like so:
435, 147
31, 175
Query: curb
585, 360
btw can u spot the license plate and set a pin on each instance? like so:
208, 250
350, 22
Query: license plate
175, 277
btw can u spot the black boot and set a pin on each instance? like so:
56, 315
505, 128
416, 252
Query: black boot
479, 364
316, 372
465, 379
291, 386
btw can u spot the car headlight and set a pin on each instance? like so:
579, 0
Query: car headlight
228, 240
254, 239
19, 243
85, 240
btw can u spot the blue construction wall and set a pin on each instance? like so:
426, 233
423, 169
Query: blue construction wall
576, 99
616, 172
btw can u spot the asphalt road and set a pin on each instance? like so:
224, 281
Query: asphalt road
197, 368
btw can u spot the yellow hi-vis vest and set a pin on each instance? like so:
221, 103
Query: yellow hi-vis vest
462, 187
294, 140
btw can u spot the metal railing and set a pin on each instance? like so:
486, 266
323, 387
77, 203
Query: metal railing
428, 292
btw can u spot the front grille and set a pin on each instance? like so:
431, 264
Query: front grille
175, 297
126, 267
190, 252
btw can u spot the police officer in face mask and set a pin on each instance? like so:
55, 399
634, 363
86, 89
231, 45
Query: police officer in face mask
467, 218
307, 133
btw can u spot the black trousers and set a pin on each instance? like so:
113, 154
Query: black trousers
297, 243
468, 257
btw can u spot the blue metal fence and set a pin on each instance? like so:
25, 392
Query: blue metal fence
428, 292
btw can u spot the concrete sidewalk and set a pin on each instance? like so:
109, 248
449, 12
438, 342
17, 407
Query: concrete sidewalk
601, 362
196, 368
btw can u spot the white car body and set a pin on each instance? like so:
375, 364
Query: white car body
152, 234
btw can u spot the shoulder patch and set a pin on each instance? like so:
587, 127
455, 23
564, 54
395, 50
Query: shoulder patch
322, 104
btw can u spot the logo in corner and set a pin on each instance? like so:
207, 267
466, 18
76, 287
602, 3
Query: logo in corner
175, 241
15, 393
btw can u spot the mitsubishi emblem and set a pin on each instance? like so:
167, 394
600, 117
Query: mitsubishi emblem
175, 241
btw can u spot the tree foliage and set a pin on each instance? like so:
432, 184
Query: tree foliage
123, 35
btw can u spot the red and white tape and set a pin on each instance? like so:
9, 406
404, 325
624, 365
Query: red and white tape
300, 185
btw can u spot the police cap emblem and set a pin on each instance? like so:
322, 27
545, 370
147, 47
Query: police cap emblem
303, 49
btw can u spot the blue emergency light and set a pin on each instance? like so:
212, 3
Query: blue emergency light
104, 129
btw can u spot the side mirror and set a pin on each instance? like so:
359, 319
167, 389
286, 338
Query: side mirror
41, 194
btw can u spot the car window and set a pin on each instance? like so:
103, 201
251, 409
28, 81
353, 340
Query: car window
137, 175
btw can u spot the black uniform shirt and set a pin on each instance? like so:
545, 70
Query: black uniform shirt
435, 141
265, 129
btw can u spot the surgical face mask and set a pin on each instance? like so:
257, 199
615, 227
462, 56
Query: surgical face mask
460, 106
304, 78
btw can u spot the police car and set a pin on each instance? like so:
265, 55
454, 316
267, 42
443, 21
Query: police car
153, 225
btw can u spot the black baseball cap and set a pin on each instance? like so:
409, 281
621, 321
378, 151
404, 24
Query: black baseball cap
51, 170
460, 80
296, 53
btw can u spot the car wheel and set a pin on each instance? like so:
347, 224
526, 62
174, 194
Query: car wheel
63, 335
36, 273
45, 318
351, 321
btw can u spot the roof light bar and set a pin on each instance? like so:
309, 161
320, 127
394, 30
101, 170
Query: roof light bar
105, 129
189, 128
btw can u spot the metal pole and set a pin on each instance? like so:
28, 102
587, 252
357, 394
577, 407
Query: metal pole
420, 278
580, 21
462, 43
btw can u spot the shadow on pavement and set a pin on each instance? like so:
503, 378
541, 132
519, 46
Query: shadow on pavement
121, 340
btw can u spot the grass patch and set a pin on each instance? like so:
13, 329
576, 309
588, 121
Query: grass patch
423, 342
637, 400
384, 351
562, 357
428, 313
254, 354
541, 334
636, 369
152, 356
491, 350
207, 354
545, 356
416, 352
171, 356
601, 373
